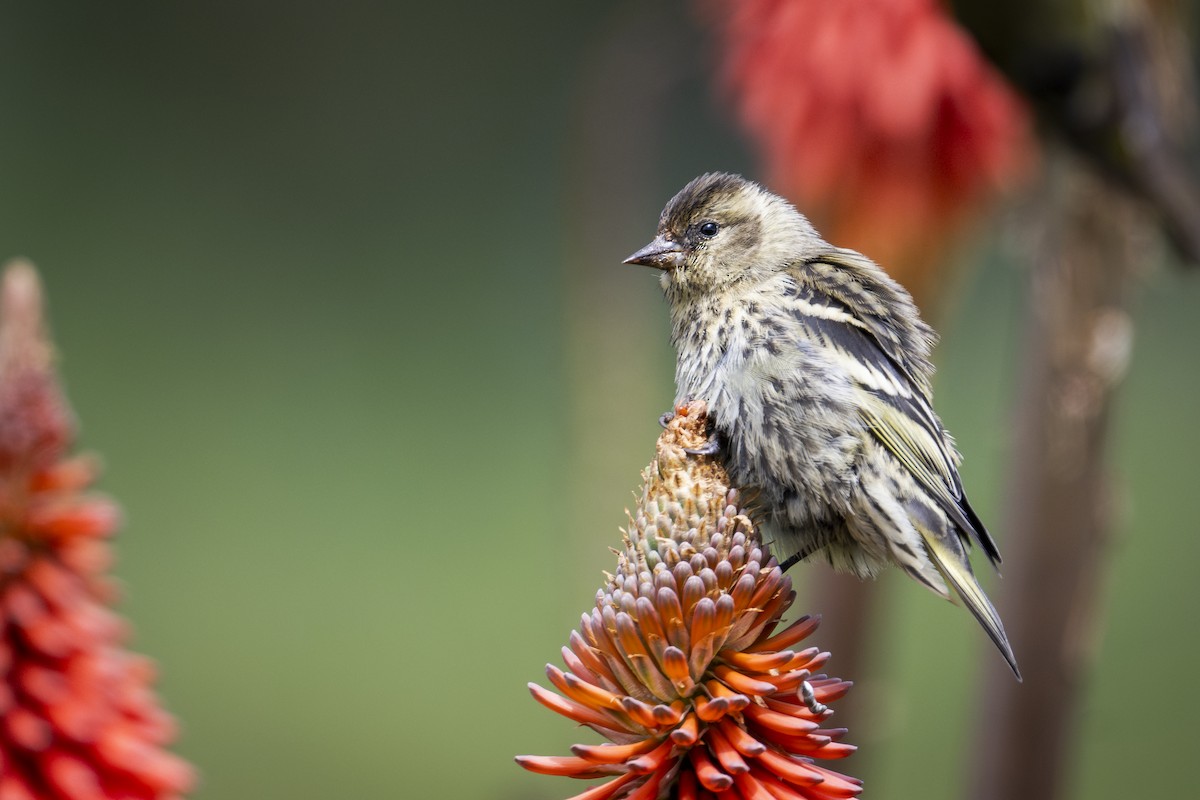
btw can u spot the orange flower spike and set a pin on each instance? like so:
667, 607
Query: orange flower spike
881, 119
693, 581
79, 717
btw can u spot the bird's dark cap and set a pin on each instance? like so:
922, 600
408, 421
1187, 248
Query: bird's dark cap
701, 192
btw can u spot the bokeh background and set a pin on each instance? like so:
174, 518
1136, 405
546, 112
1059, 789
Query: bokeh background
331, 286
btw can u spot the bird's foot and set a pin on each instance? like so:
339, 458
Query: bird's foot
809, 698
709, 448
666, 418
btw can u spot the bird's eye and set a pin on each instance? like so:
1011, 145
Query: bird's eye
709, 229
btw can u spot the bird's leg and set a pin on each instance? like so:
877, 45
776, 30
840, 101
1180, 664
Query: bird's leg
809, 698
798, 556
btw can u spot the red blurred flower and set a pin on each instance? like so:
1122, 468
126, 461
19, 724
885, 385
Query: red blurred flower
680, 665
78, 717
879, 117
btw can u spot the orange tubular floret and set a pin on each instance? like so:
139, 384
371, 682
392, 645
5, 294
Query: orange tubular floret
675, 667
776, 721
751, 789
796, 632
788, 682
808, 745
711, 710
796, 772
649, 789
829, 689
793, 709
568, 766
686, 789
757, 662
835, 750
687, 732
652, 760
606, 790
729, 758
836, 784
569, 708
709, 776
613, 753
581, 691
640, 712
741, 740
737, 701
742, 683
667, 716
780, 789
576, 666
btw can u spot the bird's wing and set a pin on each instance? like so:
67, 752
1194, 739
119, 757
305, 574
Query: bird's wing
881, 306
894, 407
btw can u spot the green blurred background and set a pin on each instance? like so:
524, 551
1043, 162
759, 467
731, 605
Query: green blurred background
311, 273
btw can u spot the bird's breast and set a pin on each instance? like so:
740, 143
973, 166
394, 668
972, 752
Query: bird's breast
783, 402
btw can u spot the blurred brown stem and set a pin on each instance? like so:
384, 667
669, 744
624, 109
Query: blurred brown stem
1059, 499
1113, 81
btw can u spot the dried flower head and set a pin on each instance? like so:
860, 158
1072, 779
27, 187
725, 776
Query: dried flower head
680, 666
78, 719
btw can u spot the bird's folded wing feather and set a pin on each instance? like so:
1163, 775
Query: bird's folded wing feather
893, 405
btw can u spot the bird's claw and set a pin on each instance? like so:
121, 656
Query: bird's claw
709, 448
666, 418
809, 698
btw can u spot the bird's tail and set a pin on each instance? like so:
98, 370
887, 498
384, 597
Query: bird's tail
950, 558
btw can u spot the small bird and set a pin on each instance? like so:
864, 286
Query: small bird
814, 365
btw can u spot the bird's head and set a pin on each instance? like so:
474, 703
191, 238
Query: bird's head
722, 230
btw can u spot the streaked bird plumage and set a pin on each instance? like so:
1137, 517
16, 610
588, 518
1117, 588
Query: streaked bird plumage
815, 367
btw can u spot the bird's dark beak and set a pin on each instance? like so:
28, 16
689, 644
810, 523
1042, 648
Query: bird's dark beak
661, 253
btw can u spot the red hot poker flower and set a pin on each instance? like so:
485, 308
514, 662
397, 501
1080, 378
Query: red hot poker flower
680, 664
879, 117
78, 717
